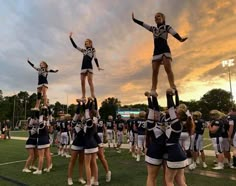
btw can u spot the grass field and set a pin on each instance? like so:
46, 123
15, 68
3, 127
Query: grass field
125, 170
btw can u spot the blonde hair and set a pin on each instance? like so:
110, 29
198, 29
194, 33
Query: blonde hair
162, 15
90, 41
197, 114
215, 114
43, 62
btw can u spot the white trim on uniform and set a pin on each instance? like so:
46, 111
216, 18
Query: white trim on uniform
74, 147
90, 151
43, 146
153, 161
159, 57
177, 165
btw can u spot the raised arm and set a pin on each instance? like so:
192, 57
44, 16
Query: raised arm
148, 27
73, 43
31, 64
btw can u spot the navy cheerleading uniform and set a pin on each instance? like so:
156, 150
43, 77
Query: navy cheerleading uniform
155, 134
88, 54
160, 35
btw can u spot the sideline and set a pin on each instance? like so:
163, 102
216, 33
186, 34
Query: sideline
211, 174
13, 181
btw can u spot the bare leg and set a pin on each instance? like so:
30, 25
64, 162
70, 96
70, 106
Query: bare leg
155, 72
180, 178
152, 174
170, 176
90, 82
71, 165
102, 158
41, 157
29, 159
39, 90
44, 91
94, 167
81, 163
168, 69
48, 158
83, 77
87, 160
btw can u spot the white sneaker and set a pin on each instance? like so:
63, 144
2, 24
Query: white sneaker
108, 176
92, 180
82, 181
37, 172
218, 167
118, 151
232, 166
204, 165
33, 167
197, 161
48, 169
138, 158
69, 181
134, 155
34, 109
26, 170
68, 156
95, 183
192, 166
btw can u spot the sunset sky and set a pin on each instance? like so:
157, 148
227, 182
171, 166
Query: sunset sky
40, 30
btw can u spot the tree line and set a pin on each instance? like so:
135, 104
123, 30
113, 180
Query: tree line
17, 107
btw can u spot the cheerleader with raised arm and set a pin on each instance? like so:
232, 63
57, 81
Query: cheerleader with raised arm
89, 53
162, 53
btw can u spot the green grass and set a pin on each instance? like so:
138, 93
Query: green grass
19, 133
125, 170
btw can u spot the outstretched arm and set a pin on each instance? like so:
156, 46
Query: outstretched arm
176, 35
31, 64
53, 71
141, 23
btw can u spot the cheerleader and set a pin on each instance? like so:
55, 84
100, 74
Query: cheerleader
176, 158
77, 147
155, 140
90, 146
31, 143
42, 82
43, 143
87, 67
185, 137
161, 54
99, 139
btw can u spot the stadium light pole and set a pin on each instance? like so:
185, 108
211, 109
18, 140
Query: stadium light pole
228, 63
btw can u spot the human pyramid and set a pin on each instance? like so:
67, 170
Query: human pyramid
163, 130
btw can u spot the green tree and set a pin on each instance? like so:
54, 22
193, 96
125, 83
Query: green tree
109, 107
